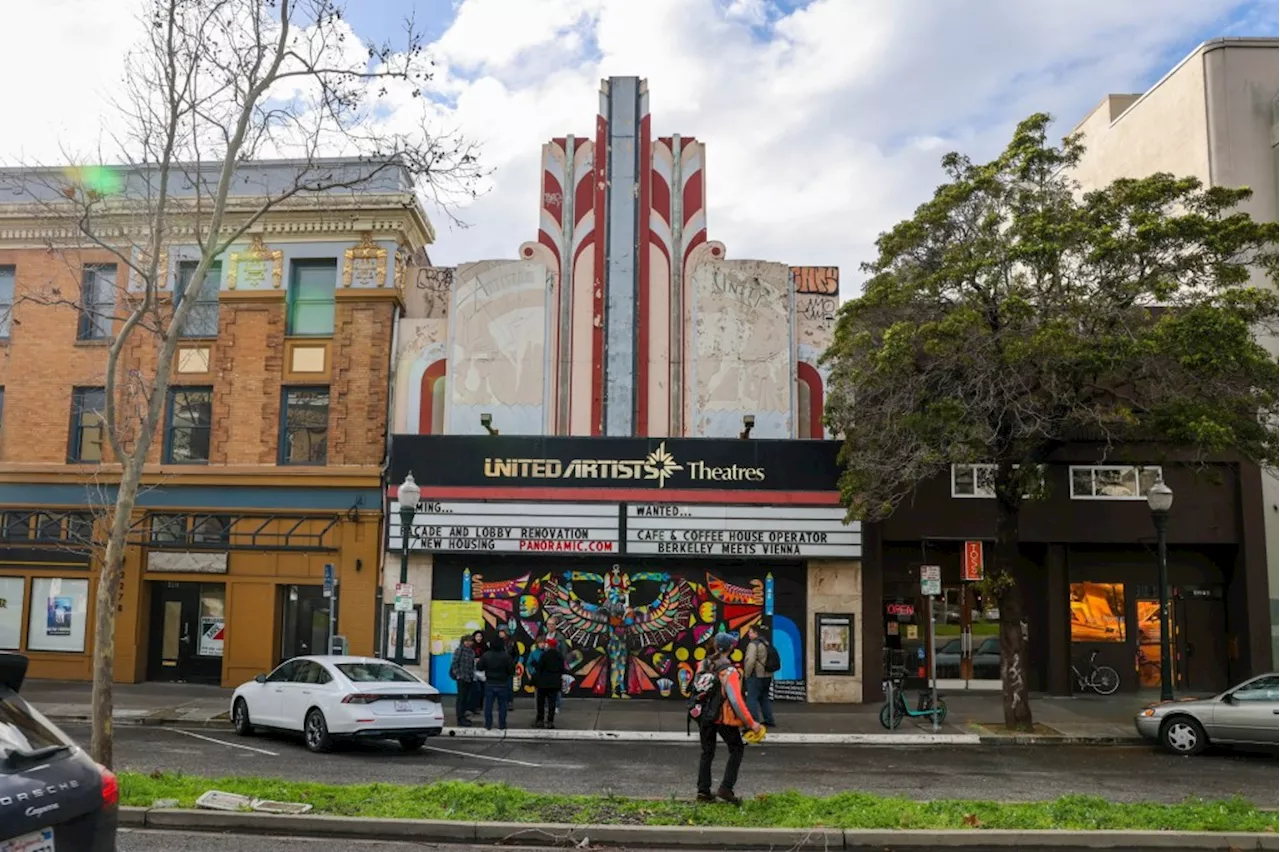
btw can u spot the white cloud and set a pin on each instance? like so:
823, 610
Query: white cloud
824, 124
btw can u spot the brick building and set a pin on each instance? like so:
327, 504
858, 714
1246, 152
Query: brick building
274, 432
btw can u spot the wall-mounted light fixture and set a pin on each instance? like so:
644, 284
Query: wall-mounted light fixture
486, 420
748, 423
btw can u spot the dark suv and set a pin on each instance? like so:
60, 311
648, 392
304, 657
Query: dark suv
53, 798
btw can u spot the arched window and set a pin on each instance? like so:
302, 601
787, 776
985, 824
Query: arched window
808, 401
431, 400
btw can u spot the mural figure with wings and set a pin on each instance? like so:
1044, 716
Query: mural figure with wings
617, 627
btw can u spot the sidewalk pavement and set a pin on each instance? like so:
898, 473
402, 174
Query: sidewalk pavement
972, 716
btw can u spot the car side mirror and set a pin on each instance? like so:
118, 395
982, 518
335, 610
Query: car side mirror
260, 678
1229, 698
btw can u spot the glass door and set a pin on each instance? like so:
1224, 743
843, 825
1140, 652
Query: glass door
188, 630
306, 622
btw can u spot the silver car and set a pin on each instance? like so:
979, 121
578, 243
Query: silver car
1247, 714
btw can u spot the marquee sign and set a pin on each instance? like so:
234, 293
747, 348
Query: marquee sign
657, 464
786, 532
461, 527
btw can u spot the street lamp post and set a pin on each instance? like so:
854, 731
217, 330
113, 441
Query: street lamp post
408, 496
1160, 499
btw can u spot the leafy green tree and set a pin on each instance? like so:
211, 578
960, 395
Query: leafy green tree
1013, 313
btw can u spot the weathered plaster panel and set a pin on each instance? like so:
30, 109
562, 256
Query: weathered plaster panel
835, 587
742, 348
497, 347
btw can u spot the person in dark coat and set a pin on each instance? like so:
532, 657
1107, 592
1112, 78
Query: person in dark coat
463, 670
498, 668
547, 681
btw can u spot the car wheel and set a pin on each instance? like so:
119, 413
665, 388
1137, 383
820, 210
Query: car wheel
240, 718
316, 732
1183, 735
412, 743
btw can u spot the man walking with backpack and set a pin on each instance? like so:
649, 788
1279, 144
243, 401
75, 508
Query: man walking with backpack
759, 665
718, 707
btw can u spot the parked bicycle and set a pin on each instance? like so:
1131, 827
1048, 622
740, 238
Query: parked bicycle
1101, 679
895, 706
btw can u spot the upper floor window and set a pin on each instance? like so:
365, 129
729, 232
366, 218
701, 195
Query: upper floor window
1113, 482
304, 432
88, 425
187, 427
311, 297
977, 480
203, 319
97, 301
7, 276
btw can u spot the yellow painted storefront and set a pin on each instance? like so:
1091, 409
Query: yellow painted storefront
259, 571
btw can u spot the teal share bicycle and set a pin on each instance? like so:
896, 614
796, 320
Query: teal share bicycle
895, 707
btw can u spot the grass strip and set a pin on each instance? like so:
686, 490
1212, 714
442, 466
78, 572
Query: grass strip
470, 802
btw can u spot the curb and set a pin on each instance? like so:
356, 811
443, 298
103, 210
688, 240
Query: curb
680, 738
1041, 739
698, 837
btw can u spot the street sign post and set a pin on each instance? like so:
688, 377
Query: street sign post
931, 587
330, 587
328, 579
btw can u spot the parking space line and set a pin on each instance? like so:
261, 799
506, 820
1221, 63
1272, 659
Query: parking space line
224, 742
482, 756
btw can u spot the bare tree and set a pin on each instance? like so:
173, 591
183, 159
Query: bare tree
211, 86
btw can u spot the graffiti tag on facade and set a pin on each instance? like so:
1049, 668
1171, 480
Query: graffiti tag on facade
822, 280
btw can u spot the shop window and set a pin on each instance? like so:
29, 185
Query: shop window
17, 525
88, 425
7, 276
203, 319
169, 529
1113, 482
311, 297
80, 527
431, 399
187, 428
1097, 612
11, 598
49, 526
304, 437
56, 619
213, 622
210, 529
97, 301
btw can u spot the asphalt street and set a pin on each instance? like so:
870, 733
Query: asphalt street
1119, 773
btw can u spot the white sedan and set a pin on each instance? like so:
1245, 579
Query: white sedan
328, 698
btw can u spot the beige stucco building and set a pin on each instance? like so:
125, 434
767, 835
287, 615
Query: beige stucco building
1213, 116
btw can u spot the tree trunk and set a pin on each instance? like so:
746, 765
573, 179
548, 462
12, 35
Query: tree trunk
104, 633
1013, 647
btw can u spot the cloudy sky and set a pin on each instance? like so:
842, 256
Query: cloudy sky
824, 120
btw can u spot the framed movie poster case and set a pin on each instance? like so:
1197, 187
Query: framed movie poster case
833, 643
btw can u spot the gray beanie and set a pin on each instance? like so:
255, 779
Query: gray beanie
725, 642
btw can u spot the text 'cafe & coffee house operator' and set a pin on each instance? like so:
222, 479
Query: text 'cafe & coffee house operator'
641, 549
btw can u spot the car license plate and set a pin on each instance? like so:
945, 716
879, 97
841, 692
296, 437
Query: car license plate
36, 841
404, 706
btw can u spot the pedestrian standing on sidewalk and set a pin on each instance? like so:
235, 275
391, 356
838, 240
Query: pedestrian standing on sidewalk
498, 669
504, 636
552, 625
478, 646
546, 679
463, 671
721, 712
759, 665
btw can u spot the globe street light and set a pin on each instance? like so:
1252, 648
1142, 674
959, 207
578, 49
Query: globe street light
408, 495
1160, 499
